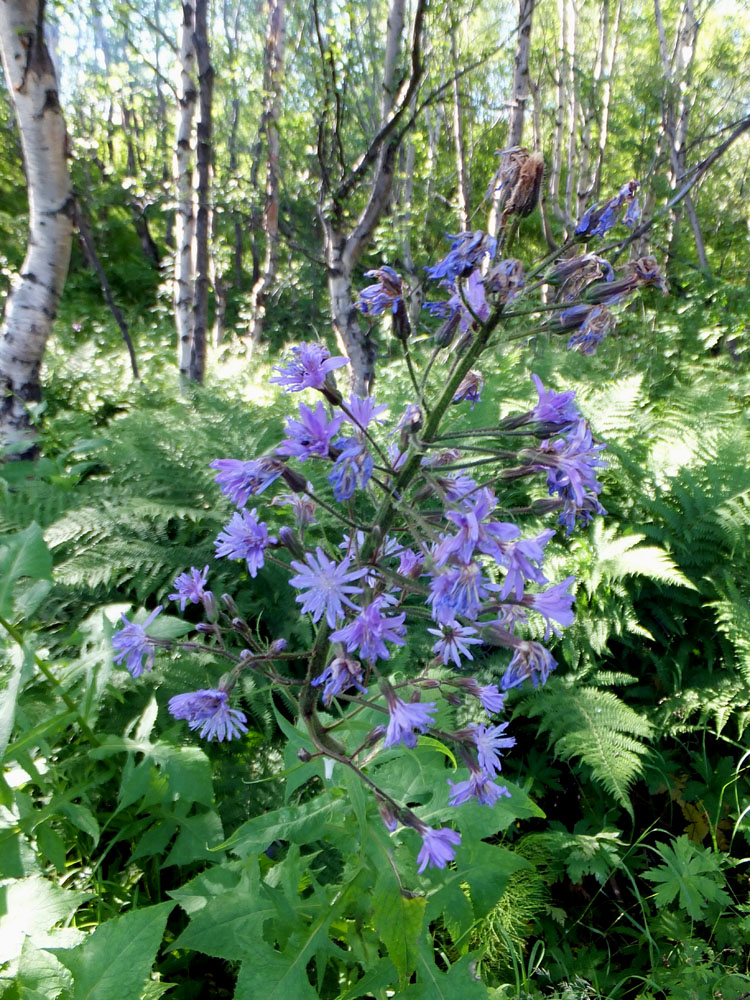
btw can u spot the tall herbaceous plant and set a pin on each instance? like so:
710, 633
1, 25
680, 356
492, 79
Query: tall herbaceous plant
415, 540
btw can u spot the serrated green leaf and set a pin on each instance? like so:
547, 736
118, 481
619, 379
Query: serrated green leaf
691, 872
380, 977
458, 983
24, 554
32, 906
273, 976
229, 925
398, 917
196, 840
298, 824
115, 961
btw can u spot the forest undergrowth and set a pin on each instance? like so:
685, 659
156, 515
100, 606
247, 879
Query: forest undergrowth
619, 860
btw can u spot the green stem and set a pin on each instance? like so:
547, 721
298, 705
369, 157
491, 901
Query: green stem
413, 377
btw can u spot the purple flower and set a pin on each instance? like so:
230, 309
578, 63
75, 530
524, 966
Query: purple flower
327, 583
457, 486
454, 642
490, 741
405, 717
351, 470
492, 700
132, 645
529, 660
385, 294
597, 221
479, 786
571, 462
410, 564
473, 532
340, 674
584, 512
504, 280
245, 537
370, 631
472, 304
364, 411
190, 587
554, 407
523, 561
437, 847
555, 603
303, 506
592, 331
470, 389
307, 369
239, 480
209, 709
467, 251
311, 434
458, 592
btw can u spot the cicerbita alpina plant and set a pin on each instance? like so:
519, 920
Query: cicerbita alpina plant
422, 540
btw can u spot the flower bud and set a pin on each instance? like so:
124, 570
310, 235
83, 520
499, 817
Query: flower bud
207, 628
444, 335
289, 539
295, 482
277, 646
304, 755
210, 606
229, 604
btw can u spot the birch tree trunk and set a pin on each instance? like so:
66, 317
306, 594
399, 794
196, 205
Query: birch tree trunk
676, 106
342, 249
32, 303
202, 237
608, 74
519, 97
462, 193
272, 83
185, 215
571, 87
590, 108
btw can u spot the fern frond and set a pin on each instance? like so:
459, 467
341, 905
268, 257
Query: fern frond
597, 728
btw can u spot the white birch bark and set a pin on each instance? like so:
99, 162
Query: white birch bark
272, 85
183, 172
35, 292
202, 234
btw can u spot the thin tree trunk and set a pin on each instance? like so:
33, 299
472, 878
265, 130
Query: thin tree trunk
590, 108
272, 83
676, 107
341, 250
519, 97
571, 47
185, 215
204, 139
32, 303
462, 193
137, 212
89, 249
609, 70
555, 179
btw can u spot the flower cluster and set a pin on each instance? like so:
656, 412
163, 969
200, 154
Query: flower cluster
418, 539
